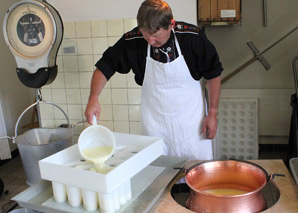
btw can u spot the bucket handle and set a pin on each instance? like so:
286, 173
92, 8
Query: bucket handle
32, 105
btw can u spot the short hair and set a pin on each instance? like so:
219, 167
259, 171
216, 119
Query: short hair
154, 15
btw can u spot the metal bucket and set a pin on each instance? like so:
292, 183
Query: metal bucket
39, 143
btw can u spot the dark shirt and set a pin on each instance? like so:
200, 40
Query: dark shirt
169, 48
130, 51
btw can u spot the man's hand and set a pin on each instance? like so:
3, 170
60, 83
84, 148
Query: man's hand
93, 108
210, 126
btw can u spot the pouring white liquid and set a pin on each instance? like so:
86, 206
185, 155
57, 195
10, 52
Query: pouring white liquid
98, 156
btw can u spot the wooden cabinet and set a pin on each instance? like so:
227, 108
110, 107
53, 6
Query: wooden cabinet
219, 12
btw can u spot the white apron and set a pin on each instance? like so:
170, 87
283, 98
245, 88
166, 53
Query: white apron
173, 108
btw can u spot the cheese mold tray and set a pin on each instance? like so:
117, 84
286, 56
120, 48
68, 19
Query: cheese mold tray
132, 154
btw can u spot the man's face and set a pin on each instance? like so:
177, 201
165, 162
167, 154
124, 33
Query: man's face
158, 38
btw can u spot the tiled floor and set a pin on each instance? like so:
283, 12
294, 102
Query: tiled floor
13, 176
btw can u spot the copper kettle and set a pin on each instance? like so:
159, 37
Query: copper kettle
233, 174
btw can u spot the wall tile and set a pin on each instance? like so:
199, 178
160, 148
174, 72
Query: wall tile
72, 80
59, 81
84, 46
83, 29
115, 27
49, 86
70, 63
108, 124
85, 79
47, 94
59, 62
69, 30
135, 128
105, 96
85, 95
96, 58
99, 45
106, 113
120, 112
60, 51
131, 83
119, 96
99, 28
75, 112
58, 114
85, 63
69, 47
47, 123
118, 81
46, 111
59, 96
129, 24
121, 126
134, 96
112, 40
73, 96
134, 112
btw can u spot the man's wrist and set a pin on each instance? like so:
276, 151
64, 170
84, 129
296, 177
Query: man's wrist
212, 112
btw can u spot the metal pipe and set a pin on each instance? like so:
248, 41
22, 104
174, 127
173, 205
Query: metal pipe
265, 12
295, 72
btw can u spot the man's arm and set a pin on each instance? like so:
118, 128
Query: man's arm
98, 82
210, 122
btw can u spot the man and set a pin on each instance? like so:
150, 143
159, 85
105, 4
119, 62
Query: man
168, 59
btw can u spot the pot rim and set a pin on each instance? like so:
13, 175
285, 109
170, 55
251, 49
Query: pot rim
242, 161
69, 130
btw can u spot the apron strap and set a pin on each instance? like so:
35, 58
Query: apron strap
177, 44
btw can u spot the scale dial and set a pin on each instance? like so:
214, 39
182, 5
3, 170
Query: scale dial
30, 30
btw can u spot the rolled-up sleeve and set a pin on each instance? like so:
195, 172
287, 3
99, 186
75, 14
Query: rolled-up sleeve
208, 63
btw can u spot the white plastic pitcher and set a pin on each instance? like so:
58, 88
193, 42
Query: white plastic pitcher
95, 136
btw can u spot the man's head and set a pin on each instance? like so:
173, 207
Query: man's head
155, 20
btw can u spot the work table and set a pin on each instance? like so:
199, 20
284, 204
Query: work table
288, 201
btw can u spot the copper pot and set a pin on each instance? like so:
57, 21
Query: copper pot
232, 174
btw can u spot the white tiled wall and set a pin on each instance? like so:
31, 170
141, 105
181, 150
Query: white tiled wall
82, 46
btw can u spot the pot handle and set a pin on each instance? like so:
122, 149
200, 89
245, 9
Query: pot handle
182, 169
272, 176
32, 105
